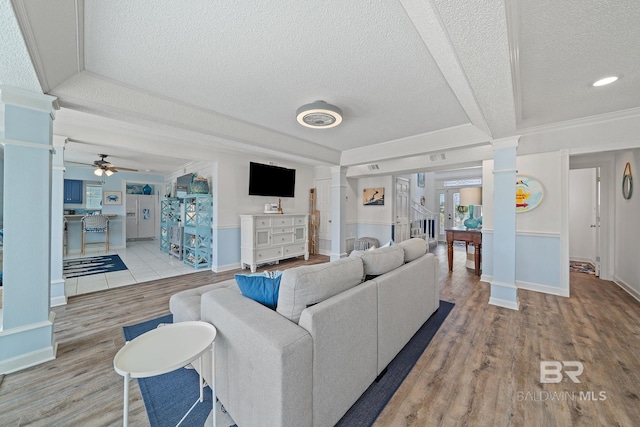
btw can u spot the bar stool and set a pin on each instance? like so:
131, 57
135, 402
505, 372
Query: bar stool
95, 224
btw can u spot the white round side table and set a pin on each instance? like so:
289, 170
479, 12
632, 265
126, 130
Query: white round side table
163, 350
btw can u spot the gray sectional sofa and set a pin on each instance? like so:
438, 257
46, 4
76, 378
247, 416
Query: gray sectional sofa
336, 327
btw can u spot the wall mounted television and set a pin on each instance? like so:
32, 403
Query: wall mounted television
269, 180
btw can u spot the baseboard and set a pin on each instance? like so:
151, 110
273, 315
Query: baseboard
536, 287
628, 289
58, 301
504, 303
228, 267
28, 360
580, 259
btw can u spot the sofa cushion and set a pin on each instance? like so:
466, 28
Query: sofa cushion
185, 305
263, 288
413, 248
307, 285
380, 261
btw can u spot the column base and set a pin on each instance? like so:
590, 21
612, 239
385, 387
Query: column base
504, 295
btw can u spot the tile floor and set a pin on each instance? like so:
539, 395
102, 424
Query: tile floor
144, 261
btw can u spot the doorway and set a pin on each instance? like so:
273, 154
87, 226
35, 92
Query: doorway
401, 231
584, 224
449, 217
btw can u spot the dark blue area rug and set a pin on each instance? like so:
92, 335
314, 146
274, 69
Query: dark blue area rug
168, 397
367, 408
92, 265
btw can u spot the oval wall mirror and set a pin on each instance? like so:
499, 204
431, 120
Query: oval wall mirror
627, 182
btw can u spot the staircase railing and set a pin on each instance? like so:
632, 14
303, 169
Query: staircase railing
423, 223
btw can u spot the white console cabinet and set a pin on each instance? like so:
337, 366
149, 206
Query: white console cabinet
272, 237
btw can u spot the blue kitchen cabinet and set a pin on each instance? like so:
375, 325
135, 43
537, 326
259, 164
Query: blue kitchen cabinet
73, 191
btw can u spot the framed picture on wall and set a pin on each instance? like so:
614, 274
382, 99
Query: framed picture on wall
373, 196
421, 179
112, 198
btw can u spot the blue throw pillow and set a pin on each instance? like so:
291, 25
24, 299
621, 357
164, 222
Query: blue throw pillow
263, 287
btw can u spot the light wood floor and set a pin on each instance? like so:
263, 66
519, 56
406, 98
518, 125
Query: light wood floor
481, 369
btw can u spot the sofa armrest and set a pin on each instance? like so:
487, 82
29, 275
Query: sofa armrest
263, 361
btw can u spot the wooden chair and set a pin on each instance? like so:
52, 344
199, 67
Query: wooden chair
95, 224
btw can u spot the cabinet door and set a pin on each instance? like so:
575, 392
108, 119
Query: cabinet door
73, 191
263, 238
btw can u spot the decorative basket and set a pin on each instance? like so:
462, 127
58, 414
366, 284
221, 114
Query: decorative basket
199, 186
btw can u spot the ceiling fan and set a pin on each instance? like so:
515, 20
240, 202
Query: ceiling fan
104, 167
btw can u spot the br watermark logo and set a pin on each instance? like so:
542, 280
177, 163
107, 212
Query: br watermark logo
551, 372
556, 372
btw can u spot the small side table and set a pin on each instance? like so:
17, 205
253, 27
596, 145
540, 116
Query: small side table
163, 350
468, 236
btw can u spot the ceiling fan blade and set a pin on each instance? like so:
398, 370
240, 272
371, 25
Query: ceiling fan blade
125, 169
81, 164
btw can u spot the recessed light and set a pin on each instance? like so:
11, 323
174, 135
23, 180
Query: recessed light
605, 81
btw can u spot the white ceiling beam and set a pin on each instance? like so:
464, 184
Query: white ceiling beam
429, 25
88, 92
432, 142
467, 157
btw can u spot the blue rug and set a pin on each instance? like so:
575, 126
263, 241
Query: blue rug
169, 396
92, 265
165, 406
367, 408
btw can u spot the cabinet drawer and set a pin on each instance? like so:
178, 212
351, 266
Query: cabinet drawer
263, 222
296, 249
299, 220
282, 239
279, 222
267, 254
282, 230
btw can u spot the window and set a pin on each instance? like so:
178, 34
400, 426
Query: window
93, 196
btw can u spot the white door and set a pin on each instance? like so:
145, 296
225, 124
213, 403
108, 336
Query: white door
402, 210
448, 202
597, 221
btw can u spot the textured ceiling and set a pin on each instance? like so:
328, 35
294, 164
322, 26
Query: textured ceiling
413, 77
260, 61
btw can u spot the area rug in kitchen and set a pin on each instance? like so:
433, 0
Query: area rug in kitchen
92, 265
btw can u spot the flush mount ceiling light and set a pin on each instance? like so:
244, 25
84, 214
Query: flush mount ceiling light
605, 81
319, 115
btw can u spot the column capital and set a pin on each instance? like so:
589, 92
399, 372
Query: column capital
508, 142
27, 99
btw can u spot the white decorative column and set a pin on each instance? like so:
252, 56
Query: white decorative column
504, 292
338, 212
58, 296
27, 336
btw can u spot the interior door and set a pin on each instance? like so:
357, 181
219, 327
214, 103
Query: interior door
448, 202
402, 210
596, 222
